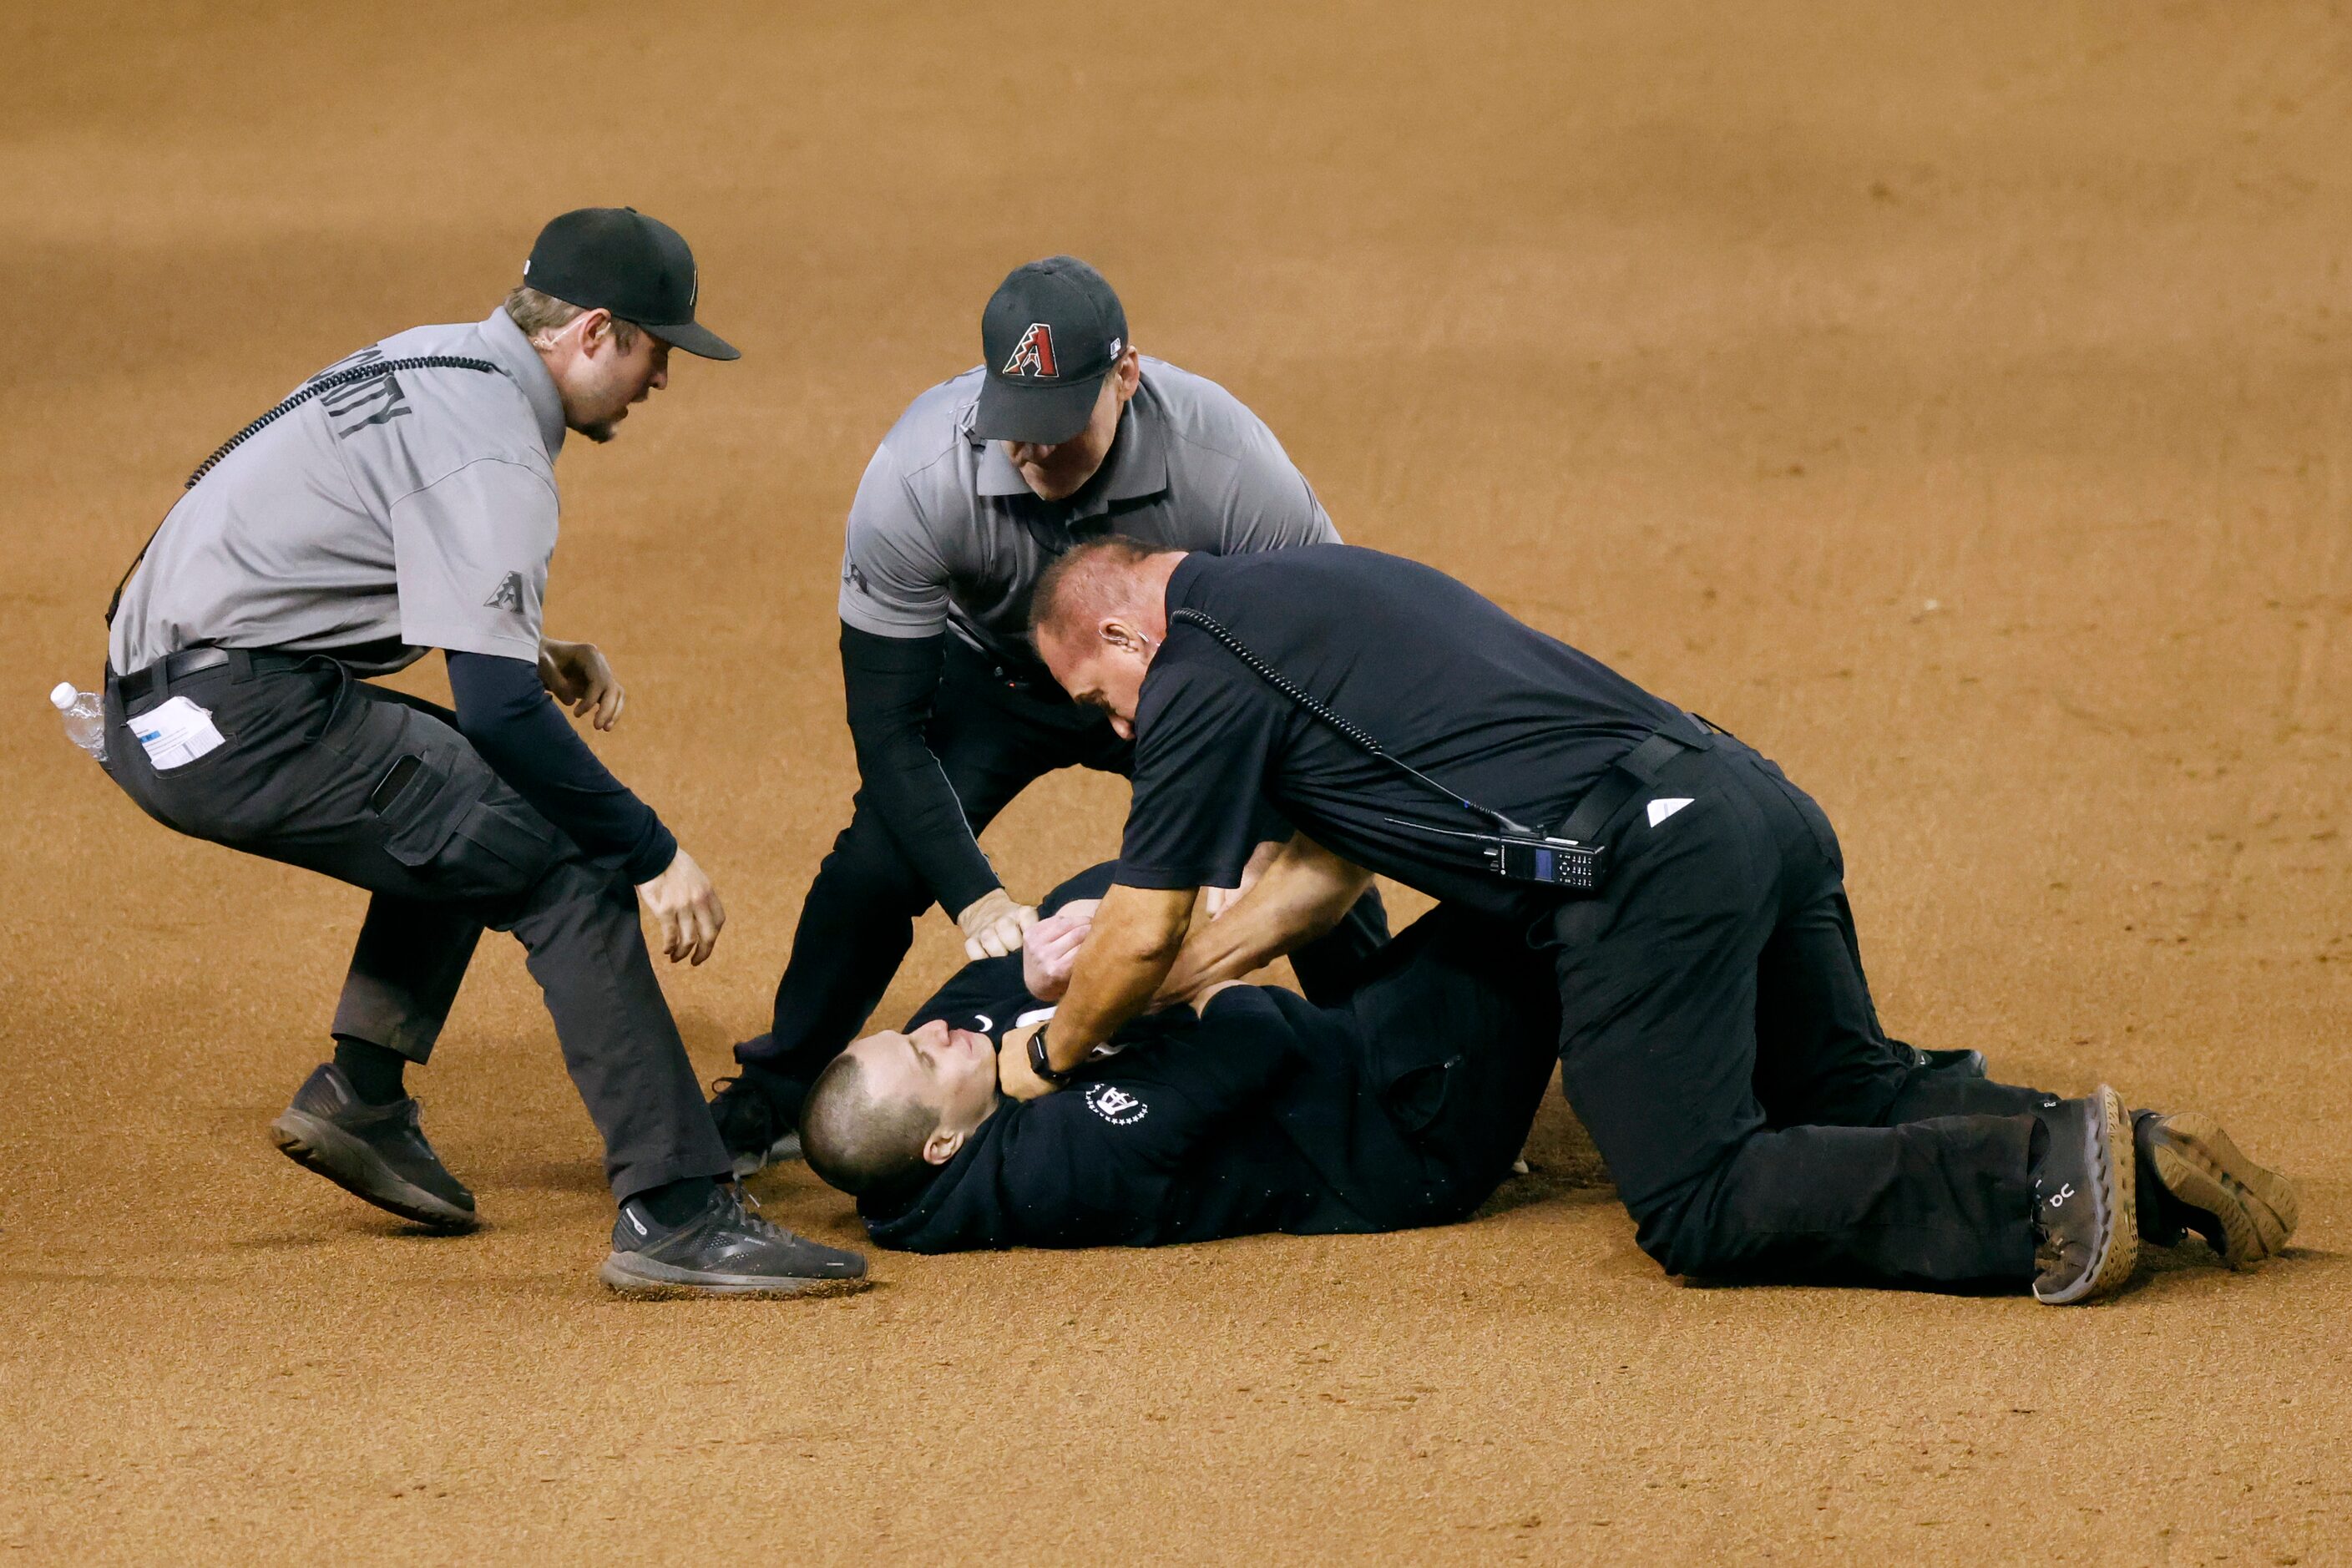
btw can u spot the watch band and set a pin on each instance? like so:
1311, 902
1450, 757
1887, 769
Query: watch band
1041, 1062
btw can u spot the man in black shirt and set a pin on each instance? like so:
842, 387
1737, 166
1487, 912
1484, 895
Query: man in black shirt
1720, 1044
1398, 1097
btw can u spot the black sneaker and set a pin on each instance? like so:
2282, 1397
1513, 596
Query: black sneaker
2082, 1200
722, 1251
373, 1152
757, 1130
2193, 1178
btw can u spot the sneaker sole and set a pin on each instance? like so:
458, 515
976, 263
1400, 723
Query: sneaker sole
633, 1275
788, 1147
2200, 1165
2118, 1189
319, 1146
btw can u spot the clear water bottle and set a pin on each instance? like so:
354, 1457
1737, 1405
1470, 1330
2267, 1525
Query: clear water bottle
85, 717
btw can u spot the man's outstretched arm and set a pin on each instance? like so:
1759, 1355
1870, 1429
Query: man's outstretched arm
892, 684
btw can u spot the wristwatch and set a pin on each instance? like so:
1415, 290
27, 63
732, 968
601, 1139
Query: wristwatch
1040, 1061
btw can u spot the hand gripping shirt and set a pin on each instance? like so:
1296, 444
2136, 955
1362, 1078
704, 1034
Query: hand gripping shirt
405, 512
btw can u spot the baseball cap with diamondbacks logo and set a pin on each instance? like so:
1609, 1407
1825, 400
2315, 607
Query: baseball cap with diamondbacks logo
1052, 332
618, 260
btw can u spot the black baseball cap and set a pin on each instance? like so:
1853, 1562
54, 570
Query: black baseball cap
1052, 332
618, 260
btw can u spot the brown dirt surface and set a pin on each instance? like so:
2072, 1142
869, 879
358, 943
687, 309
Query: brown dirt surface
1953, 400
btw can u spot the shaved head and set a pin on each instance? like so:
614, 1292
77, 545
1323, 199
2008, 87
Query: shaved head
897, 1103
1099, 616
857, 1141
1100, 579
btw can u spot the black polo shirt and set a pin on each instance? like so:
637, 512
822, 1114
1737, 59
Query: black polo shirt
1439, 676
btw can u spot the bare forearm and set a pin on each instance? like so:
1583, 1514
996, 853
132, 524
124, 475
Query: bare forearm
1300, 896
1136, 934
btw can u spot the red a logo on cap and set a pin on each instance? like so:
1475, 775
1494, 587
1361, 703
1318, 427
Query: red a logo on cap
1034, 355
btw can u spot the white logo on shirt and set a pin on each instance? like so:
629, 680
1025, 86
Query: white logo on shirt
1115, 1105
1661, 809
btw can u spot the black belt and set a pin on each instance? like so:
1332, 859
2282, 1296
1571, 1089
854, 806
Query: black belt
1630, 774
1572, 856
160, 676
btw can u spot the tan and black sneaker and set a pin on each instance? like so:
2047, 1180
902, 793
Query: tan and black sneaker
2193, 1178
2084, 1212
373, 1152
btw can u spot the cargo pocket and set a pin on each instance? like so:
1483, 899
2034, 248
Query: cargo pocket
1417, 1097
503, 831
420, 802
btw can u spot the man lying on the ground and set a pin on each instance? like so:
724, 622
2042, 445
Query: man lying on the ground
1402, 1102
1397, 1093
1399, 1096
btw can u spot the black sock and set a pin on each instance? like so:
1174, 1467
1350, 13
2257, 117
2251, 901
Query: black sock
675, 1203
374, 1071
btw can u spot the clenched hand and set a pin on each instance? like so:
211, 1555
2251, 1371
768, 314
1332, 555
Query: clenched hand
1050, 947
686, 907
993, 925
1012, 1073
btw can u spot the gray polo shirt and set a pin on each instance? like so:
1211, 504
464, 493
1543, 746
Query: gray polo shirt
412, 510
946, 535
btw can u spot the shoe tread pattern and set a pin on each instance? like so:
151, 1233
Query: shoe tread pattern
2118, 1190
323, 1148
636, 1275
2203, 1167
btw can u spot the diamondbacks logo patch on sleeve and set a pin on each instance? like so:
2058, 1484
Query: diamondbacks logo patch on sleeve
1034, 354
508, 594
1115, 1105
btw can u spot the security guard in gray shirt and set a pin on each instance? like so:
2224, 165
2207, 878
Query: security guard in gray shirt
1065, 432
403, 501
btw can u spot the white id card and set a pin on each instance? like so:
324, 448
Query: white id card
175, 733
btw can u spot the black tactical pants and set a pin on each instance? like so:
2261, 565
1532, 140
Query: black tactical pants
1720, 1045
314, 773
1460, 1023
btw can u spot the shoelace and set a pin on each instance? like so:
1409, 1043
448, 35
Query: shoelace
752, 1220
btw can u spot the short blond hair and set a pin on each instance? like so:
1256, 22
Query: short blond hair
533, 313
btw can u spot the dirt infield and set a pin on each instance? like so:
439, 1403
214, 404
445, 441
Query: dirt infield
1956, 405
